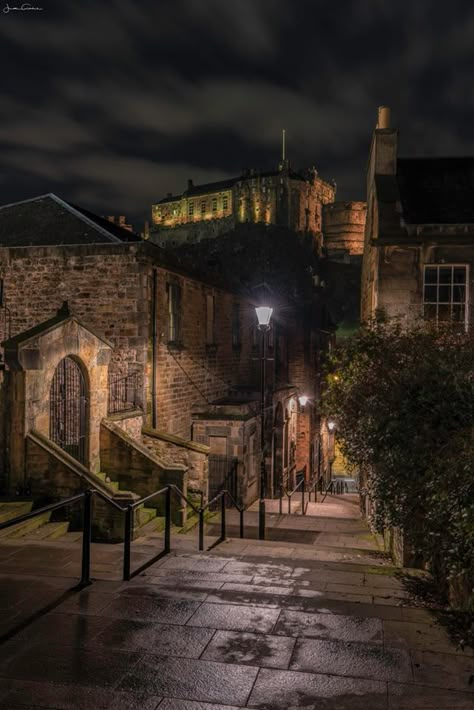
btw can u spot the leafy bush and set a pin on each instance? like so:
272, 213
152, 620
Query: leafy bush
403, 400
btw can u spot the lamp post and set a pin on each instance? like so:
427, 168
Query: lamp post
264, 314
331, 424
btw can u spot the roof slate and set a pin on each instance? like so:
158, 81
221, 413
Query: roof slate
48, 220
436, 190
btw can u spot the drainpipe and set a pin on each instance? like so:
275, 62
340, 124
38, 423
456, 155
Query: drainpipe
154, 346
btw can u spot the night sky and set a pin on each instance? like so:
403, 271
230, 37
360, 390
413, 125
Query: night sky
113, 104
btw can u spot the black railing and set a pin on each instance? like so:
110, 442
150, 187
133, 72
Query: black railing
300, 486
86, 497
223, 495
123, 392
128, 512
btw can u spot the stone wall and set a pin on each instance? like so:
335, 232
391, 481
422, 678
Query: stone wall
54, 475
130, 422
137, 469
173, 450
343, 227
192, 371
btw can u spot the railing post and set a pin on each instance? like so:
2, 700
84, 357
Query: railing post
289, 504
201, 528
241, 511
86, 540
223, 516
280, 506
303, 512
168, 520
127, 544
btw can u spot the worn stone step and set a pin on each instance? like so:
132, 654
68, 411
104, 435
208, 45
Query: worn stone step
21, 529
49, 531
144, 515
13, 509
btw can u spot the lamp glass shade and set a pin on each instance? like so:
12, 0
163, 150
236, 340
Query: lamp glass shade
303, 399
264, 313
331, 425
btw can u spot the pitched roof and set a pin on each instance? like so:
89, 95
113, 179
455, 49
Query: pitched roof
436, 190
48, 220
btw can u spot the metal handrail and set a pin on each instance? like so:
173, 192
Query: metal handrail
129, 511
86, 496
222, 495
290, 494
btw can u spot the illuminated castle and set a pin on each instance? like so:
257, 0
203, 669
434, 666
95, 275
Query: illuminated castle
281, 197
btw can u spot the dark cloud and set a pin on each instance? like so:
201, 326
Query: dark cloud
114, 104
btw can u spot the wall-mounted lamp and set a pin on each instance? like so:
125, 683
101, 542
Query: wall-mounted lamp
331, 424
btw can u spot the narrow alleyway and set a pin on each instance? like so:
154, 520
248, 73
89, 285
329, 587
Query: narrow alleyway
315, 619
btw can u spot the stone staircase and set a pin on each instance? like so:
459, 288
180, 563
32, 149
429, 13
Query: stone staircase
41, 528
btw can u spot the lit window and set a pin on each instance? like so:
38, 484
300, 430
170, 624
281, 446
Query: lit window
445, 293
174, 309
190, 208
210, 319
225, 202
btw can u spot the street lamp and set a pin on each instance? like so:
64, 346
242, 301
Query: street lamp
331, 424
264, 314
303, 399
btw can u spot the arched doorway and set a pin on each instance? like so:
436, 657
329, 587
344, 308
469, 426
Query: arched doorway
68, 409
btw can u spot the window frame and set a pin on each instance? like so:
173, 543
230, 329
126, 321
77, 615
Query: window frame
451, 302
174, 312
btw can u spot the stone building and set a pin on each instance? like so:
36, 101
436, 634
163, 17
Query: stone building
108, 345
419, 238
281, 197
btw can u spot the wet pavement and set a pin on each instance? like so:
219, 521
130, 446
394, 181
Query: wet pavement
268, 625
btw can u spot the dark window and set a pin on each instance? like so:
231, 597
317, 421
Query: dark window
236, 325
225, 202
174, 312
214, 204
191, 208
445, 294
203, 208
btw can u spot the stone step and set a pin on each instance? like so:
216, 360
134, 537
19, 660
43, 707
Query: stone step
13, 509
144, 515
21, 529
49, 531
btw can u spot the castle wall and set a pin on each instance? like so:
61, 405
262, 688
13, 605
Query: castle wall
343, 227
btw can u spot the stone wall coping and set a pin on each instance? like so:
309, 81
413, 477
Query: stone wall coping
71, 463
141, 448
177, 440
129, 414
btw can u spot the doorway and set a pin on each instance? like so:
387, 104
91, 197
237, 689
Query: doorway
68, 409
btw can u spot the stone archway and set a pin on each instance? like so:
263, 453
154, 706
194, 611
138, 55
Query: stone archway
68, 403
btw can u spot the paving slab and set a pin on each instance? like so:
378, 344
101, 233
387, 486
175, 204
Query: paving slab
403, 696
262, 650
234, 617
360, 660
290, 689
443, 670
175, 704
68, 664
150, 609
18, 694
327, 626
208, 681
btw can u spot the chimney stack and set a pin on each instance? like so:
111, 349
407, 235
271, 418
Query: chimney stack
383, 117
190, 184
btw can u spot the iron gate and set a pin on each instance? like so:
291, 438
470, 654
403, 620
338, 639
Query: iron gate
67, 409
222, 474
